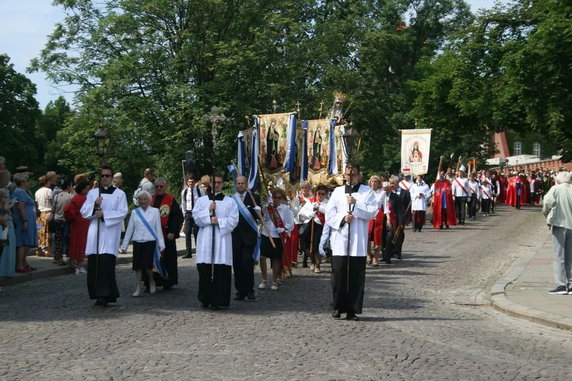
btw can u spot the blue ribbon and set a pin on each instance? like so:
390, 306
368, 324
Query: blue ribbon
245, 213
157, 253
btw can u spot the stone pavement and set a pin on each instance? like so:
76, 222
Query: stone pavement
523, 290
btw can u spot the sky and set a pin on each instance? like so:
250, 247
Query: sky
25, 25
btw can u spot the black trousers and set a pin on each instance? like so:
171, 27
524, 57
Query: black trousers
460, 207
348, 298
418, 219
473, 207
398, 242
388, 246
101, 282
216, 291
486, 205
190, 228
243, 265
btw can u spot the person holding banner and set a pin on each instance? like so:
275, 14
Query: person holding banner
144, 229
461, 195
375, 224
348, 213
106, 208
216, 216
420, 193
443, 207
476, 196
245, 240
280, 222
313, 234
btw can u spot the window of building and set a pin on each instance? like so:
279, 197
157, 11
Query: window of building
536, 149
517, 149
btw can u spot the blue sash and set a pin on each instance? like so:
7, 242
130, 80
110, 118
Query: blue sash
157, 253
245, 213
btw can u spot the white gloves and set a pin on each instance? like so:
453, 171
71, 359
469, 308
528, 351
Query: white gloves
280, 230
257, 208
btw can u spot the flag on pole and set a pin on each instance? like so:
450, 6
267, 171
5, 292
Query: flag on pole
290, 159
253, 174
241, 163
304, 166
333, 160
232, 169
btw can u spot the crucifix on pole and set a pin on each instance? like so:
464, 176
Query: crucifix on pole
214, 117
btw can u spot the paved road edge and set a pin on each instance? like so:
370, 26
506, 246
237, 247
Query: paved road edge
501, 302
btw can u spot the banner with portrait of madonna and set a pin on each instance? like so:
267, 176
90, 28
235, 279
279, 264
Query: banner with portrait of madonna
415, 146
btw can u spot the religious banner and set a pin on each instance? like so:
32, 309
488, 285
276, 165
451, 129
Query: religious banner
318, 147
415, 145
324, 151
274, 141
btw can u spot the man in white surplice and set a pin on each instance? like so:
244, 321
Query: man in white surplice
106, 208
350, 208
219, 213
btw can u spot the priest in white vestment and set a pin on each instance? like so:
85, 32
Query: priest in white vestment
216, 213
106, 208
348, 212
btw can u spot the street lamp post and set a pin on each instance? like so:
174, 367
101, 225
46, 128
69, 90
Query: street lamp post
352, 140
102, 139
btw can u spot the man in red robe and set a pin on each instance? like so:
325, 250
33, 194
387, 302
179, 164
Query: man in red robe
443, 204
171, 222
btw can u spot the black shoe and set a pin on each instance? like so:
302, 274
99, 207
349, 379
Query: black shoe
398, 256
447, 226
239, 298
190, 255
351, 316
101, 302
304, 264
387, 262
560, 290
441, 227
250, 296
204, 306
214, 307
336, 314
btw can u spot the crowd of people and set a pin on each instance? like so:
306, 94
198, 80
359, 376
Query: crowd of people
351, 227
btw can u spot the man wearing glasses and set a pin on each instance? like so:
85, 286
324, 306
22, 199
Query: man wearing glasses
106, 208
348, 212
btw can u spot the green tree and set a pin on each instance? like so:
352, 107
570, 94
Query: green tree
53, 119
18, 115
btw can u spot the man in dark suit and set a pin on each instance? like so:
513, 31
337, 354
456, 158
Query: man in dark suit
400, 200
244, 240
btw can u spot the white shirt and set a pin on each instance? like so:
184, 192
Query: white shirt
227, 215
461, 190
475, 189
287, 219
365, 209
137, 232
423, 190
44, 199
187, 202
114, 207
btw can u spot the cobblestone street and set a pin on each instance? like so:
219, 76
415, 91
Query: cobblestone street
425, 318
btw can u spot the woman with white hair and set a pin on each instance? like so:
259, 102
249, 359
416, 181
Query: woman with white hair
144, 229
557, 208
